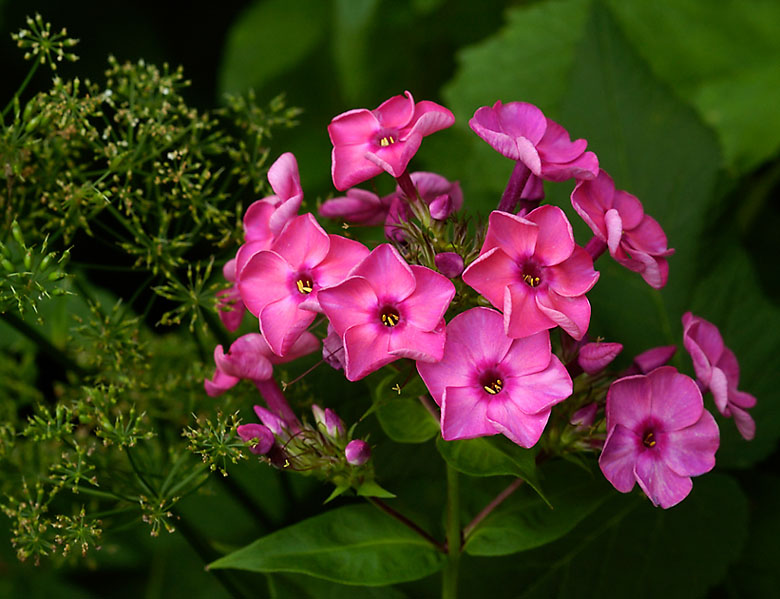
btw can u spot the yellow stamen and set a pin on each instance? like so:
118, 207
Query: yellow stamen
649, 440
494, 387
531, 280
304, 285
386, 141
390, 319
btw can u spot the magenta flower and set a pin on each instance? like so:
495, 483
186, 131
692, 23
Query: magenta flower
280, 285
618, 221
487, 383
250, 358
658, 435
359, 207
532, 268
367, 142
717, 370
260, 436
387, 310
596, 356
541, 147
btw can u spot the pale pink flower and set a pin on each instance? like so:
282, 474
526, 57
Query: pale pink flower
367, 142
387, 310
280, 285
617, 219
717, 370
487, 383
532, 269
658, 435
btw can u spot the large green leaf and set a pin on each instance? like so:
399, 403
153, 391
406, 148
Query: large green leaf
491, 456
287, 586
724, 57
270, 37
631, 549
525, 521
356, 544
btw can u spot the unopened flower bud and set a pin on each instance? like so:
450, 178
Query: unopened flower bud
263, 437
328, 421
595, 357
449, 264
585, 416
357, 452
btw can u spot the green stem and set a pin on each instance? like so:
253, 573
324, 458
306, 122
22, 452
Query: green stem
449, 587
22, 87
44, 344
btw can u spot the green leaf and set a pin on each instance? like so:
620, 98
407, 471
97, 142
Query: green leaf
372, 489
270, 37
285, 586
355, 544
400, 413
723, 57
631, 549
524, 521
490, 456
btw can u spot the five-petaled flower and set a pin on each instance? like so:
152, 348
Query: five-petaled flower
487, 383
658, 435
532, 268
717, 370
280, 285
387, 310
367, 142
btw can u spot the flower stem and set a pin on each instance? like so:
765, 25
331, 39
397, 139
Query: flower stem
406, 522
595, 247
498, 500
22, 87
514, 187
449, 587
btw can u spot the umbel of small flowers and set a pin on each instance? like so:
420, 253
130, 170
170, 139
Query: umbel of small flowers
421, 297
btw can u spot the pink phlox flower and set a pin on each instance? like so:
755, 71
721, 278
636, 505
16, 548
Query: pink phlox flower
487, 383
281, 285
367, 142
650, 359
229, 305
531, 267
717, 369
272, 428
658, 435
520, 131
387, 310
594, 357
617, 218
250, 358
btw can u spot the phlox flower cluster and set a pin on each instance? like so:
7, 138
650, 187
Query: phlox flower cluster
525, 366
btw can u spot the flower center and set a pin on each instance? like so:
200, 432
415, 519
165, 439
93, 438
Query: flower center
389, 316
531, 280
387, 140
530, 274
491, 382
649, 440
304, 284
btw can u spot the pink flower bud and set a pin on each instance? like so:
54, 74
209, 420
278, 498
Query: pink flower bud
328, 421
449, 264
357, 452
256, 432
595, 357
585, 416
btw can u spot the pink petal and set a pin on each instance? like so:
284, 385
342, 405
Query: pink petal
264, 280
303, 346
527, 355
522, 315
359, 206
396, 112
256, 219
720, 389
584, 167
614, 229
491, 274
521, 119
416, 344
247, 358
574, 276
538, 392
283, 177
591, 199
395, 158
661, 484
595, 357
388, 272
572, 314
513, 234
555, 241
556, 145
219, 383
303, 242
691, 451
282, 322
628, 402
619, 456
350, 167
464, 414
426, 306
651, 359
430, 117
344, 254
353, 127
676, 400
630, 209
519, 427
256, 432
745, 423
365, 350
349, 303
